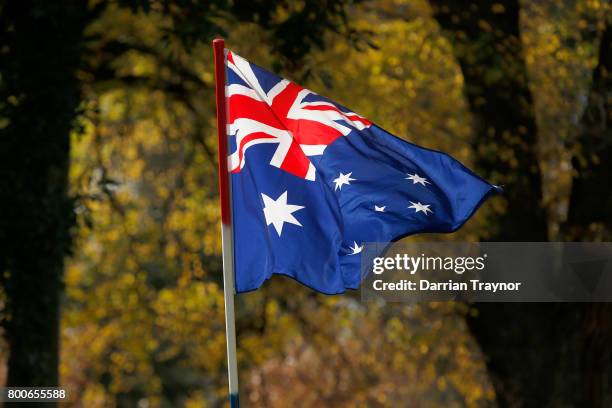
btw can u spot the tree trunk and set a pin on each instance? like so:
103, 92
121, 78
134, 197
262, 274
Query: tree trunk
589, 216
488, 48
536, 353
590, 219
39, 95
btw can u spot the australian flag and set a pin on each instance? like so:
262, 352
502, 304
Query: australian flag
313, 181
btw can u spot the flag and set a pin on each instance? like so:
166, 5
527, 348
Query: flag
312, 181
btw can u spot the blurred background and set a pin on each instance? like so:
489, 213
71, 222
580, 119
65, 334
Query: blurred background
110, 232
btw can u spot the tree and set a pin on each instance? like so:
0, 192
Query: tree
589, 219
41, 49
588, 215
488, 48
521, 342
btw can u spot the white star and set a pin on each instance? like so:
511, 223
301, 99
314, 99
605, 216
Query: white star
420, 207
278, 212
343, 179
416, 179
356, 249
379, 209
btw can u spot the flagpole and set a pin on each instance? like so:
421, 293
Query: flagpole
227, 238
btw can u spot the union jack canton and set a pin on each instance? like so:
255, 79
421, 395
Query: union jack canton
313, 181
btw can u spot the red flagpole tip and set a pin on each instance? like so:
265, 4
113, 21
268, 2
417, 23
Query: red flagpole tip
224, 188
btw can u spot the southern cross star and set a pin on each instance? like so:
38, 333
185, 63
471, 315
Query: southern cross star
380, 209
416, 179
343, 179
356, 248
418, 207
278, 212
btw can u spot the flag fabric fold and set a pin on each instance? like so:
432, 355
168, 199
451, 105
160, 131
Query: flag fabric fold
313, 181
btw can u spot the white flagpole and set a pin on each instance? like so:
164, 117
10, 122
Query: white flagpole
230, 326
227, 237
